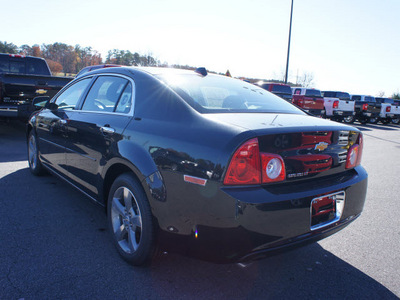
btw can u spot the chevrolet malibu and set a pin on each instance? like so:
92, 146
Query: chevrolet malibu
201, 164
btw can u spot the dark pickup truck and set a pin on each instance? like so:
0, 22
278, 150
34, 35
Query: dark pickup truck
366, 108
23, 78
282, 90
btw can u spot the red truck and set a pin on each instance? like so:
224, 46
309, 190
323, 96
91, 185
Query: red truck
309, 100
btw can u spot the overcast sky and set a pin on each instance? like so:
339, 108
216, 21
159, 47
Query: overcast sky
353, 46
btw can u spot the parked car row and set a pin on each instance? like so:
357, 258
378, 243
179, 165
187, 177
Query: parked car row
339, 106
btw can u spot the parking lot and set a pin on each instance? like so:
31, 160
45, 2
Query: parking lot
54, 243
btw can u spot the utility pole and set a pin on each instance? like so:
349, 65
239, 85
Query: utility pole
288, 48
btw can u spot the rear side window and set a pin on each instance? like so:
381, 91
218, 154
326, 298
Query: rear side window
369, 99
36, 67
4, 64
70, 97
105, 94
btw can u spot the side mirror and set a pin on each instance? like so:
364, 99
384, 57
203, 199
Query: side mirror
40, 102
51, 106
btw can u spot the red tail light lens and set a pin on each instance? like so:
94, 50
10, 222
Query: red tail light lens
248, 166
336, 104
244, 167
355, 153
388, 108
365, 106
273, 168
352, 156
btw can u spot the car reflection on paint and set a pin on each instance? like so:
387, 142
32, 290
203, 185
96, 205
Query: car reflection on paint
200, 164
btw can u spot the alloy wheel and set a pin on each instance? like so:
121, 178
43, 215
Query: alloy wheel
126, 220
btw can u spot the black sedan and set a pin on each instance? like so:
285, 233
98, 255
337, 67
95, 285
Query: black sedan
207, 165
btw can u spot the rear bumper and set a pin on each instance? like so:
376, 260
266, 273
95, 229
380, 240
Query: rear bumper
339, 113
267, 221
22, 111
367, 114
315, 112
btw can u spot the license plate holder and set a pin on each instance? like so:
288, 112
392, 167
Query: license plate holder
326, 209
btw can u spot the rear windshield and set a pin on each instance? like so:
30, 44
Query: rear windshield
340, 95
219, 94
22, 65
313, 92
281, 89
369, 99
356, 98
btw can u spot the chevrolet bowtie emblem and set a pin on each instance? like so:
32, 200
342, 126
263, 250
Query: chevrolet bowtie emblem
321, 146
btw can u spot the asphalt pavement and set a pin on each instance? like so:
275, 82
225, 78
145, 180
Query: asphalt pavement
54, 243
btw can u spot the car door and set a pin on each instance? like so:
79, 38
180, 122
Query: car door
51, 127
96, 128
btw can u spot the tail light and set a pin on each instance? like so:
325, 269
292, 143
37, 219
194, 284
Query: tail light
336, 104
248, 166
355, 153
365, 106
244, 167
388, 109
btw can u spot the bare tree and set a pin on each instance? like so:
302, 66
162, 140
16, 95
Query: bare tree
306, 79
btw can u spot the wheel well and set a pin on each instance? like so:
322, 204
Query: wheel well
112, 173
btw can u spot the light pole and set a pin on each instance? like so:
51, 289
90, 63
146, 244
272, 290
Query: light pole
288, 47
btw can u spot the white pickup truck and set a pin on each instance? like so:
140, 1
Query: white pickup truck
390, 111
339, 106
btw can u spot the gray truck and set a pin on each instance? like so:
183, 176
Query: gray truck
23, 78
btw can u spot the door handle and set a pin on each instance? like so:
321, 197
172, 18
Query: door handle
107, 130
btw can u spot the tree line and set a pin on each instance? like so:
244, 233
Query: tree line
71, 59
63, 58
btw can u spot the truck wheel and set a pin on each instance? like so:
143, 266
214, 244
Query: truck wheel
130, 221
396, 121
373, 120
363, 120
35, 166
348, 119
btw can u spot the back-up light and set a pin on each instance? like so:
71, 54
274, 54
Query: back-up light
388, 108
249, 166
355, 153
273, 168
365, 106
336, 104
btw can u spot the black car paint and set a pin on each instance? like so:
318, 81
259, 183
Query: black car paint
166, 139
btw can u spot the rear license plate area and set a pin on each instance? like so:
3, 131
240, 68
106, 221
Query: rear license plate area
327, 209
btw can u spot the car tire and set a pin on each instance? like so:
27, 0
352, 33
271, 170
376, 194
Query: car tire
348, 119
373, 120
130, 221
396, 121
35, 166
363, 120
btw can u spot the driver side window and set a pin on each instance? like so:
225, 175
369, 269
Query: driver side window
70, 97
